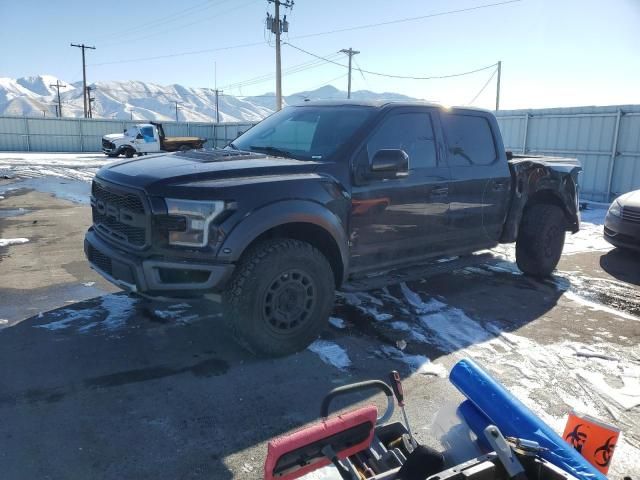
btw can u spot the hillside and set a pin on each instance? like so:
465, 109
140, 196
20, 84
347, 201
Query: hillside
33, 96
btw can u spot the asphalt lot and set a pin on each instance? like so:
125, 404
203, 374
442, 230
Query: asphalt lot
95, 384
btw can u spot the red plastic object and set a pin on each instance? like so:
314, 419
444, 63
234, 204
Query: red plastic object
282, 445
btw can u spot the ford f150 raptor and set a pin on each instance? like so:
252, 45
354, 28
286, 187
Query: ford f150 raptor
321, 196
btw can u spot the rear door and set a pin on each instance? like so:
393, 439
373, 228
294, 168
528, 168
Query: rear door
395, 220
480, 185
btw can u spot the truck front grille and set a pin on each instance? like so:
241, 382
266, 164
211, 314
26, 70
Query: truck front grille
107, 144
119, 214
631, 214
100, 260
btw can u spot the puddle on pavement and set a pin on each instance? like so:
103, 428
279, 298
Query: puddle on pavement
609, 293
211, 367
13, 212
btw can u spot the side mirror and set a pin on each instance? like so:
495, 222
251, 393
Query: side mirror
388, 163
139, 136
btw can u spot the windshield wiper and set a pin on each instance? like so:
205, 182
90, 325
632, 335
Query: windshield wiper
272, 150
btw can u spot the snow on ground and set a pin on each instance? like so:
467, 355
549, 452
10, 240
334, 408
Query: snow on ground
64, 175
600, 377
112, 314
331, 353
75, 166
5, 242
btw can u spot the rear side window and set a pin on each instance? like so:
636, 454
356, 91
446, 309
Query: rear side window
411, 132
469, 139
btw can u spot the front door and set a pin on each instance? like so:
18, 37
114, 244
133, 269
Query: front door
399, 219
149, 142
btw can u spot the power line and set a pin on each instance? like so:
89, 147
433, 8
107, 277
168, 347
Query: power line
390, 75
160, 20
483, 87
181, 54
288, 71
408, 19
179, 27
327, 32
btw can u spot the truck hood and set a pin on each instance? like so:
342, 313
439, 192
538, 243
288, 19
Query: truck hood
114, 136
182, 171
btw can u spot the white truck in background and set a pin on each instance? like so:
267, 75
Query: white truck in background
144, 138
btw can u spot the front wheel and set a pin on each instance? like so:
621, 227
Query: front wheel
280, 297
129, 152
540, 240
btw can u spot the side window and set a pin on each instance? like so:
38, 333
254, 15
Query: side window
469, 139
411, 132
147, 131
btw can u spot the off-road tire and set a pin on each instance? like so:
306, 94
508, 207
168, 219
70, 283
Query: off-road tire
274, 272
540, 240
184, 148
129, 152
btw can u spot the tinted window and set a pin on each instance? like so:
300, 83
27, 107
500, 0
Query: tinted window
469, 139
411, 132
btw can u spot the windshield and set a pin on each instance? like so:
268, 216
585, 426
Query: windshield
131, 131
305, 133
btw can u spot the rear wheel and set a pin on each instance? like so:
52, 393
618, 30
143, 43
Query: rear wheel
184, 148
540, 240
280, 297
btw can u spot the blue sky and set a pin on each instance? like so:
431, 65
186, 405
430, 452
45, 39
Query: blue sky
554, 53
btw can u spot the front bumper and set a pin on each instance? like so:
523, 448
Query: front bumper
622, 233
152, 277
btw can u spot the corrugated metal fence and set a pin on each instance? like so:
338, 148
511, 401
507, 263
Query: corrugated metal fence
36, 134
605, 139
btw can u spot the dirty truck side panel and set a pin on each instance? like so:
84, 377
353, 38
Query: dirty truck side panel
406, 214
546, 180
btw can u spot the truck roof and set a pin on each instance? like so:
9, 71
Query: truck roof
383, 104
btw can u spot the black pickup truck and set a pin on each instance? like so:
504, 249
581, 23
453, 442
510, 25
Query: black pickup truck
323, 196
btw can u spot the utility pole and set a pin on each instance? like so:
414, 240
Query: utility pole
177, 103
278, 26
498, 86
44, 113
84, 74
58, 86
90, 99
351, 52
217, 92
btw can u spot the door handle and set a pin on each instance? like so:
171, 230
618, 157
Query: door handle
499, 186
440, 192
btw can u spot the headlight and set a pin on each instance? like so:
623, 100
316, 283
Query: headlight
198, 215
615, 209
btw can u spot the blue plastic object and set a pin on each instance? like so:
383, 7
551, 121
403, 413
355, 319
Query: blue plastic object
476, 421
514, 419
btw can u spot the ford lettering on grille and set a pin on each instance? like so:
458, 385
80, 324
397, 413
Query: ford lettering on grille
120, 216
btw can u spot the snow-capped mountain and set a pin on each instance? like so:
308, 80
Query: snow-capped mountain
34, 96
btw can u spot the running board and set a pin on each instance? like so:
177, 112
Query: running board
414, 272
